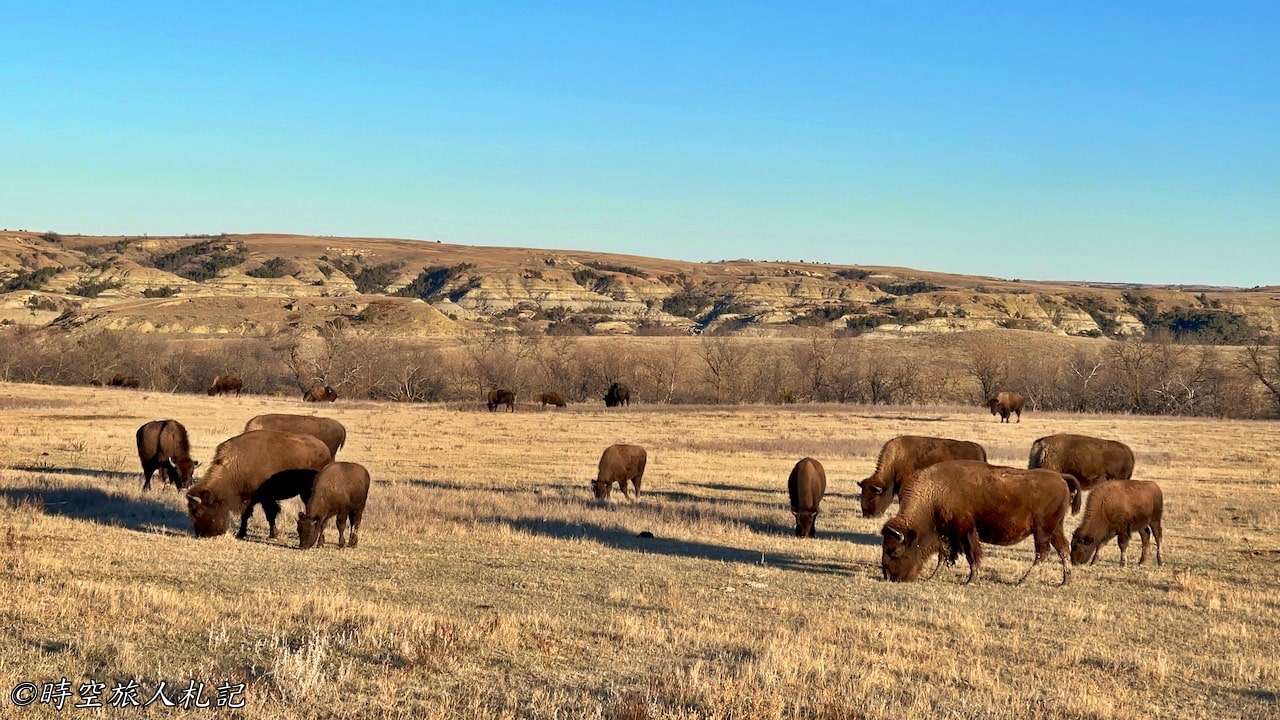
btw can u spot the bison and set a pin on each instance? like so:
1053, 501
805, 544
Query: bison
1115, 509
163, 446
552, 398
124, 381
805, 488
499, 397
225, 385
260, 466
320, 393
338, 491
619, 464
903, 457
964, 503
617, 396
1005, 404
330, 432
1091, 460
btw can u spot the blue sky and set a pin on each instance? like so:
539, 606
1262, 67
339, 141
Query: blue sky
1107, 141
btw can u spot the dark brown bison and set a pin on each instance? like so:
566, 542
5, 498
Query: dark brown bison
501, 397
552, 398
339, 491
330, 432
903, 457
1005, 404
964, 503
163, 446
225, 385
1092, 460
260, 466
1115, 509
619, 464
617, 396
320, 393
124, 381
805, 488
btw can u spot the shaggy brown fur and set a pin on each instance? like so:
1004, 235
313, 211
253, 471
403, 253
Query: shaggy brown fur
163, 446
552, 398
1092, 460
805, 488
617, 396
501, 397
339, 491
1005, 404
225, 385
903, 457
619, 464
320, 393
1116, 508
330, 432
124, 381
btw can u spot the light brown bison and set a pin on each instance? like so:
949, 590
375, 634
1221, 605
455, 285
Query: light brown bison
1115, 509
500, 397
1005, 404
619, 464
163, 446
552, 398
617, 396
124, 381
805, 488
330, 432
320, 393
260, 466
964, 503
903, 457
225, 385
1092, 460
339, 491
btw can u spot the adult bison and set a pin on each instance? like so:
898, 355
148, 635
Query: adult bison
1092, 460
225, 385
619, 464
330, 432
805, 488
124, 381
320, 393
903, 457
260, 466
1005, 404
1116, 508
340, 491
553, 399
964, 503
617, 396
163, 446
500, 397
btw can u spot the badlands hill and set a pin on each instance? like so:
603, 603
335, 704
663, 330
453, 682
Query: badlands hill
254, 285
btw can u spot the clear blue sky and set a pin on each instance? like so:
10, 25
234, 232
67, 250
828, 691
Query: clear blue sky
1106, 141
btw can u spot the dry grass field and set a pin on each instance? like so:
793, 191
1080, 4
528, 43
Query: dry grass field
488, 585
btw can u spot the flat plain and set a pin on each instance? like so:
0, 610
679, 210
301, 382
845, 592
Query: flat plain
488, 584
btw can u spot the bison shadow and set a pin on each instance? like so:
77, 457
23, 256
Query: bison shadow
47, 470
102, 507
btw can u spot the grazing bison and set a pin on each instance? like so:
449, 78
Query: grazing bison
1005, 404
163, 446
260, 466
1092, 460
619, 464
552, 398
805, 488
617, 396
320, 393
964, 503
1116, 508
225, 385
501, 397
124, 381
339, 491
330, 432
903, 457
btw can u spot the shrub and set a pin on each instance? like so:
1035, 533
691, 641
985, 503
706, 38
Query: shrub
854, 274
31, 280
93, 288
203, 260
1103, 314
160, 292
430, 283
687, 302
369, 280
907, 287
612, 267
276, 267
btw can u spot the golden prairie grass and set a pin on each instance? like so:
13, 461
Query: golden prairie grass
487, 584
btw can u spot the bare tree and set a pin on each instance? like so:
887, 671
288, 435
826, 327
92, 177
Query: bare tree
722, 366
1262, 363
987, 365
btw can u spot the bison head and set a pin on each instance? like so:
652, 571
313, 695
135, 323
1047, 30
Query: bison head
875, 496
904, 552
804, 522
994, 405
208, 513
213, 390
601, 489
1083, 546
308, 530
181, 471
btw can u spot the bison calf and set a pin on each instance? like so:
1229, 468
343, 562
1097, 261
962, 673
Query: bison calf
1005, 404
619, 464
163, 446
339, 491
805, 488
501, 397
904, 456
1116, 508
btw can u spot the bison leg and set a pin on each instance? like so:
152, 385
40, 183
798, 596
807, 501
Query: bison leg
635, 482
1064, 549
1042, 547
1122, 539
341, 522
244, 521
623, 484
271, 509
147, 471
1145, 534
1019, 416
353, 537
936, 567
972, 553
1157, 531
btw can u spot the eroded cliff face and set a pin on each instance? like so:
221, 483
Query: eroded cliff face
265, 284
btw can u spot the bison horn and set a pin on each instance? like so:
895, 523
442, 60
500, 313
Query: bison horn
194, 499
888, 530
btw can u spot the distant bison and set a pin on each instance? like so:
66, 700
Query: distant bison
124, 381
552, 398
330, 432
320, 393
163, 446
963, 503
805, 488
1092, 460
501, 397
260, 466
903, 457
339, 491
617, 396
1005, 404
1116, 508
619, 464
225, 385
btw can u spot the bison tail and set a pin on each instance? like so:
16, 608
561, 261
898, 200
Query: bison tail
1074, 486
1037, 455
